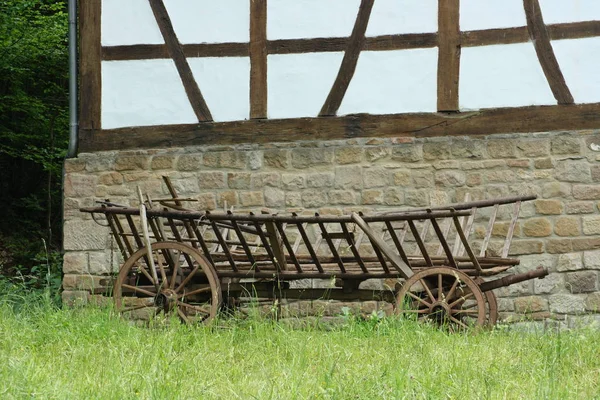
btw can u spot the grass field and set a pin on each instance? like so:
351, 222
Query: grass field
91, 353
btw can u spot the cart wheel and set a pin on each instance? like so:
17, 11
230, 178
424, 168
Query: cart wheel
186, 284
445, 296
491, 306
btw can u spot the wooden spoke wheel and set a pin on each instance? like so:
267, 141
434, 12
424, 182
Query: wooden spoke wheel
491, 306
445, 296
178, 280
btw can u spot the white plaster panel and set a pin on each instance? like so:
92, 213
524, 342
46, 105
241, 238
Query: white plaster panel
558, 11
390, 17
490, 14
298, 84
225, 85
143, 92
578, 60
502, 76
389, 82
297, 19
210, 21
128, 22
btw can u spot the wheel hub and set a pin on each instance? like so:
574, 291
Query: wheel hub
167, 300
440, 311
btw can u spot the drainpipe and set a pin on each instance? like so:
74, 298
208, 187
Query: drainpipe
73, 118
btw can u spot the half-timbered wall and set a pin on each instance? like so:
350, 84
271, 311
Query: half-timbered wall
169, 72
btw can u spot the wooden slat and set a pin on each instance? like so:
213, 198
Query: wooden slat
511, 229
420, 243
159, 51
332, 248
398, 242
460, 233
443, 242
348, 66
309, 246
269, 249
375, 244
288, 246
421, 125
117, 236
448, 55
178, 238
245, 246
353, 247
175, 50
199, 236
177, 202
258, 58
224, 246
468, 230
90, 68
396, 261
488, 232
541, 41
276, 245
446, 232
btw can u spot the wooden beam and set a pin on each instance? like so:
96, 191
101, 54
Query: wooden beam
487, 37
541, 41
258, 59
483, 122
90, 67
448, 55
175, 50
348, 66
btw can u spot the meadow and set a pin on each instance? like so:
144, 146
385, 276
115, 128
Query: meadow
91, 353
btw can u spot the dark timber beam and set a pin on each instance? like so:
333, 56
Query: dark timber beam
90, 65
448, 55
258, 59
541, 41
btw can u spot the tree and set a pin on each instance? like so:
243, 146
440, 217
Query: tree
33, 123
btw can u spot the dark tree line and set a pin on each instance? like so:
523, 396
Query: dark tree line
33, 128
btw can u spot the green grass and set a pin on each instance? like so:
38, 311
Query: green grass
91, 353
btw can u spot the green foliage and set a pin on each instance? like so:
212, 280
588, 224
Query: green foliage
33, 129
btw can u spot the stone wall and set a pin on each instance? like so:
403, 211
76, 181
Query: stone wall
560, 230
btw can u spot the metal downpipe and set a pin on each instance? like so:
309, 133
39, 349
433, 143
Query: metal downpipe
73, 117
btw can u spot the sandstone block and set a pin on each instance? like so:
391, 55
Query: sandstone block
450, 178
393, 197
293, 199
314, 198
293, 181
408, 153
474, 179
99, 162
255, 160
566, 145
591, 259
274, 197
77, 185
349, 177
372, 196
521, 163
595, 169
82, 282
566, 304
556, 189
310, 157
279, 159
559, 246
226, 159
162, 162
373, 154
422, 179
502, 149
584, 243
592, 302
446, 164
186, 186
416, 198
102, 263
251, 199
591, 225
579, 207
262, 179
110, 178
519, 247
468, 149
549, 207
573, 171
348, 155
582, 281
567, 226
75, 262
586, 192
436, 151
74, 165
206, 201
342, 197
552, 283
228, 198
569, 262
502, 176
543, 163
239, 180
530, 304
375, 177
85, 235
537, 227
319, 180
401, 178
188, 162
125, 162
211, 180
534, 147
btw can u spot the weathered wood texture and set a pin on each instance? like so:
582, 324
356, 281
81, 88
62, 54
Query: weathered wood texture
484, 122
448, 55
348, 66
541, 41
258, 59
175, 50
90, 65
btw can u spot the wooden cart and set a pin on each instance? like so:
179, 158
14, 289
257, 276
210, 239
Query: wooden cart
187, 262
